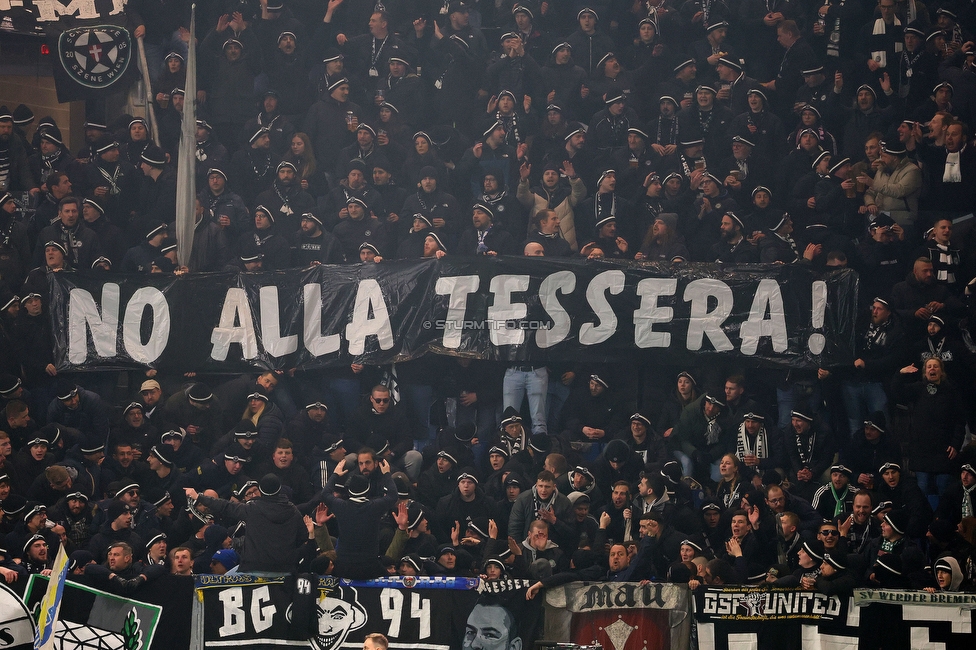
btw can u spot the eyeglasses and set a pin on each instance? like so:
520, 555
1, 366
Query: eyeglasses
778, 500
133, 493
829, 533
380, 400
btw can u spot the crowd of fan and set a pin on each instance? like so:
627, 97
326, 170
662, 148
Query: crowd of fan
336, 134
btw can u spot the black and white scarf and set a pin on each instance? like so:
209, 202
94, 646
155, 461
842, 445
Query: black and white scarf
746, 445
967, 501
876, 335
669, 135
806, 450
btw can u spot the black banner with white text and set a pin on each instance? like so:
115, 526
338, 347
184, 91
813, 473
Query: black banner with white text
513, 309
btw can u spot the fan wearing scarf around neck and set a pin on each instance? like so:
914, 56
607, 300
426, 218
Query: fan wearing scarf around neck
959, 501
729, 489
884, 38
937, 425
810, 453
837, 496
758, 449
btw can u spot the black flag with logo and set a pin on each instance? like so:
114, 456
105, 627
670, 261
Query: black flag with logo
93, 61
93, 50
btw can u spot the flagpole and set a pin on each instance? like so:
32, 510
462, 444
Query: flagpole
50, 605
186, 173
149, 92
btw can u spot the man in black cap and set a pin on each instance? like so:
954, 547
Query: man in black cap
332, 120
313, 245
465, 503
707, 120
361, 225
734, 248
117, 527
871, 446
138, 259
113, 180
483, 237
608, 129
401, 86
222, 206
210, 154
14, 171
286, 199
365, 151
111, 239
837, 496
490, 153
594, 417
51, 156
80, 244
811, 449
702, 436
269, 116
440, 208
198, 411
358, 517
80, 409
883, 256
276, 533
605, 203
590, 43
158, 195
235, 60
253, 168
355, 184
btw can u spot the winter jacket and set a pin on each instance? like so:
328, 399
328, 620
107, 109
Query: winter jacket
275, 531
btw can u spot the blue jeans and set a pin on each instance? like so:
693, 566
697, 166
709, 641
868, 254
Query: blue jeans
788, 401
687, 467
861, 399
927, 480
535, 384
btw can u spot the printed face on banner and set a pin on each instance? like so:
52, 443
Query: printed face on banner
337, 618
491, 627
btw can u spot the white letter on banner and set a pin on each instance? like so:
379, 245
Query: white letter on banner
369, 298
649, 312
391, 602
559, 282
51, 10
274, 343
262, 609
458, 288
237, 309
233, 601
767, 296
316, 344
83, 314
591, 334
132, 325
704, 322
504, 310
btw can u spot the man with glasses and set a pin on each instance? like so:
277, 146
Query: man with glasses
829, 536
384, 419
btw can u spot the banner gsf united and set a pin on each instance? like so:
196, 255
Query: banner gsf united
511, 309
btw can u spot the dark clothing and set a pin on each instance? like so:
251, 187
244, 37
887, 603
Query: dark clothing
275, 531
